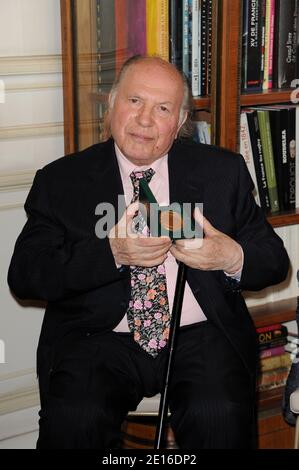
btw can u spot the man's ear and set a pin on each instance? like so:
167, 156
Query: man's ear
181, 123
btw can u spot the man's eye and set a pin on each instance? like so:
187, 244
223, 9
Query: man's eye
134, 100
164, 109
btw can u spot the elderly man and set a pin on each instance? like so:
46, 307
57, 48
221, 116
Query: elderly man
103, 342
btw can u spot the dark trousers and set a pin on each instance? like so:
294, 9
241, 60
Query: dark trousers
97, 379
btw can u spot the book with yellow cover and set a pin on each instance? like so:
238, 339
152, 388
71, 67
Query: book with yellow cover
157, 28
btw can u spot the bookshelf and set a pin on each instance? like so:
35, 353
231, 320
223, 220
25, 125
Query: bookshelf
81, 118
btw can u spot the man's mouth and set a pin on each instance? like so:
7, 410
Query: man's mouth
140, 137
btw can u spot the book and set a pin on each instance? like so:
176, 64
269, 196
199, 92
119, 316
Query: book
195, 49
185, 37
258, 158
247, 153
276, 362
265, 130
285, 43
282, 341
264, 329
175, 32
209, 46
252, 45
269, 40
271, 335
297, 149
272, 352
106, 66
272, 378
204, 45
136, 13
121, 33
157, 28
292, 156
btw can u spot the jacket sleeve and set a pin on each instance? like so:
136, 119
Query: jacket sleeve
266, 261
47, 265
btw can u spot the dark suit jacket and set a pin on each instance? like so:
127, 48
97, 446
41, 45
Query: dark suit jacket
58, 257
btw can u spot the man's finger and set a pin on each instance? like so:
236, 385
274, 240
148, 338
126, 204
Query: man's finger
206, 226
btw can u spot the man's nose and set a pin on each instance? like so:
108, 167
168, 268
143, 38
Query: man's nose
145, 116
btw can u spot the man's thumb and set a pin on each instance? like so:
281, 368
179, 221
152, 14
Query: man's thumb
203, 222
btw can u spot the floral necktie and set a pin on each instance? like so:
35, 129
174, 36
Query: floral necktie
148, 313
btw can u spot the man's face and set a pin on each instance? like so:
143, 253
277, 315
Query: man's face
145, 115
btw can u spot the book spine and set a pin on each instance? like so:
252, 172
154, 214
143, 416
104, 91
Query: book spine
137, 38
185, 36
273, 343
264, 125
105, 45
245, 40
297, 154
292, 157
264, 329
278, 132
246, 151
157, 26
272, 378
271, 45
204, 46
209, 45
258, 159
121, 33
285, 43
163, 30
254, 45
276, 362
190, 39
284, 159
271, 335
272, 352
176, 30
267, 46
195, 63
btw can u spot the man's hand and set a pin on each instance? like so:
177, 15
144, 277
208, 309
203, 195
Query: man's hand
216, 251
132, 249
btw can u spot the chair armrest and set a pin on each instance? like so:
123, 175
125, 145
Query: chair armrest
294, 401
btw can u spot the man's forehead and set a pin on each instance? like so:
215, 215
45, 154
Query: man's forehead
154, 73
141, 82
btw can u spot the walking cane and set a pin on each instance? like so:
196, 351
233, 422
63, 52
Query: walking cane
147, 198
173, 333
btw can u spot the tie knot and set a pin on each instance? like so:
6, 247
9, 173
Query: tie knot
137, 175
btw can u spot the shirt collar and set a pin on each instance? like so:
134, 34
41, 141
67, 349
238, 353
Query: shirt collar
126, 167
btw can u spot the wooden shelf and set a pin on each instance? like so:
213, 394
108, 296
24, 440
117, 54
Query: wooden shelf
202, 103
269, 399
266, 97
284, 218
274, 312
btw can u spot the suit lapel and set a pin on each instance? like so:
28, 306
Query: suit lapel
185, 181
106, 178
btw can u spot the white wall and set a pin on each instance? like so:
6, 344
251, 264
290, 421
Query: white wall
31, 134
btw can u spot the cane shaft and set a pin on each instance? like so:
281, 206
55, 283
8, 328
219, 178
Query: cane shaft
174, 326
